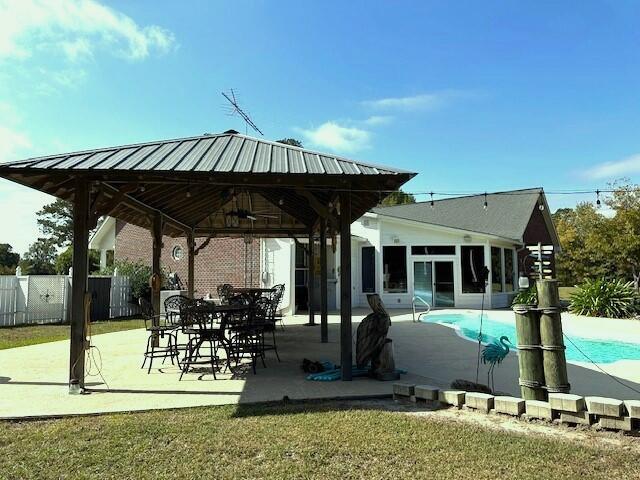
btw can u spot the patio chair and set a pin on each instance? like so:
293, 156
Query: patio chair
173, 306
225, 291
276, 296
246, 334
199, 322
158, 329
265, 312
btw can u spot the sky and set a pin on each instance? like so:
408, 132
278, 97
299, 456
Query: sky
474, 96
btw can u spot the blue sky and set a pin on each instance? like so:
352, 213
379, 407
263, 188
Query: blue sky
475, 96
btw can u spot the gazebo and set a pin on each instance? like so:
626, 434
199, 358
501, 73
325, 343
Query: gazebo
213, 185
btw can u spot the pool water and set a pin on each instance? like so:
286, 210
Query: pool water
600, 351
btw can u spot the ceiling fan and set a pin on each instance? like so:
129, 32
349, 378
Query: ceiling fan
246, 214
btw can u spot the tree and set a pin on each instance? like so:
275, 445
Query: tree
596, 246
398, 198
40, 258
290, 141
8, 259
624, 230
64, 261
56, 222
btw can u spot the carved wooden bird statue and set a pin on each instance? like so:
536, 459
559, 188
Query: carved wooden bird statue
372, 332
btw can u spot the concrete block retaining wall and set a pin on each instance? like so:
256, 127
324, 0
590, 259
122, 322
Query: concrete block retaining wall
608, 413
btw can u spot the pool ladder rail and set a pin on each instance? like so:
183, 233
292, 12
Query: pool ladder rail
423, 302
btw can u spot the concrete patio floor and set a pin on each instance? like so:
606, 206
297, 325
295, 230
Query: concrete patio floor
33, 379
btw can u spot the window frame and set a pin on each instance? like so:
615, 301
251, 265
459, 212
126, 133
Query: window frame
406, 271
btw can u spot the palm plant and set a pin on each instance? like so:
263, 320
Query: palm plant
605, 298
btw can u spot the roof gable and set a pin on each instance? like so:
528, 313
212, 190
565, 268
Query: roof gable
507, 213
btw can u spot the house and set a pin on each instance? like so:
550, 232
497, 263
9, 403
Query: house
434, 251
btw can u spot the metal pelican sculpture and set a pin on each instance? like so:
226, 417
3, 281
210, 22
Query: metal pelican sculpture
493, 354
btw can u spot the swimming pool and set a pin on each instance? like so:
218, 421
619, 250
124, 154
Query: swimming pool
467, 324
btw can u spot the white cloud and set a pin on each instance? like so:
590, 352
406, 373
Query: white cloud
75, 28
12, 143
619, 168
336, 137
423, 101
377, 120
19, 205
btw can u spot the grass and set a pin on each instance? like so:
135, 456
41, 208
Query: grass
291, 441
565, 292
22, 335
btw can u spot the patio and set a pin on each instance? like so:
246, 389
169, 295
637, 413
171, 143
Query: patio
33, 378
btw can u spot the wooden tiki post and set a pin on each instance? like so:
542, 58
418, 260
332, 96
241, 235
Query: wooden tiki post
346, 347
311, 281
79, 285
156, 272
554, 360
324, 333
191, 265
530, 353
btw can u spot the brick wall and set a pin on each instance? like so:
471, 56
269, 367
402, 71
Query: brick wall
221, 261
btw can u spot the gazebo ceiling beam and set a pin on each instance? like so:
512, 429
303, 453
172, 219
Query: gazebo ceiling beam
136, 204
291, 210
283, 232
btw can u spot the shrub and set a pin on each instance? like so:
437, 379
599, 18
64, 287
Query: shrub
138, 273
605, 298
528, 296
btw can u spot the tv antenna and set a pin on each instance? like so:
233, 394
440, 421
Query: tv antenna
235, 109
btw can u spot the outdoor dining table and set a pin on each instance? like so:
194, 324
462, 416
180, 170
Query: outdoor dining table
253, 293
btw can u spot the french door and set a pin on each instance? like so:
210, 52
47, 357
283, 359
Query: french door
433, 282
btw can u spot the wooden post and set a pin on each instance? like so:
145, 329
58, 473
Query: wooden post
554, 360
156, 271
190, 265
530, 353
324, 317
311, 281
79, 285
345, 286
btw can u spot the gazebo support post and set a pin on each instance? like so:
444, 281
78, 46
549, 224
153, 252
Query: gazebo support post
156, 272
191, 254
324, 333
311, 281
345, 286
79, 285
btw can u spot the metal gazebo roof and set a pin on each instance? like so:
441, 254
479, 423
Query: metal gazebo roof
213, 184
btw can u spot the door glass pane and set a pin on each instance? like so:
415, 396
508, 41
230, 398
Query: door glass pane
423, 281
444, 284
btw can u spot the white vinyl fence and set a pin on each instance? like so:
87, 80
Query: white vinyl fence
28, 299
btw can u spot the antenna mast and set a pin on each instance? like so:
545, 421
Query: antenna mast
235, 109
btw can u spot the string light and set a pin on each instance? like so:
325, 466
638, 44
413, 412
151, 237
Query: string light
485, 205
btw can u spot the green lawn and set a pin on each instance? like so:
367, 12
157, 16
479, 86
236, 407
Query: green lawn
22, 335
293, 441
565, 292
